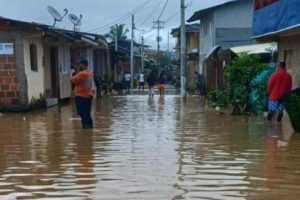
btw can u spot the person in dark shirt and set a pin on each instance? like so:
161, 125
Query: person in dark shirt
151, 80
162, 83
98, 83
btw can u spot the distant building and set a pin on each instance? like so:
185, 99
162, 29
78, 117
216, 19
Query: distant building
279, 21
36, 60
193, 41
120, 59
222, 27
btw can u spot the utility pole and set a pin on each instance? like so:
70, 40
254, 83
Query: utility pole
183, 56
131, 49
116, 50
158, 25
168, 52
142, 54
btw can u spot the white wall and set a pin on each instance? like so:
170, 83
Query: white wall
35, 79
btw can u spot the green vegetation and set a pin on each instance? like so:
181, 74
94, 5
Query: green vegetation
218, 98
239, 75
119, 30
292, 106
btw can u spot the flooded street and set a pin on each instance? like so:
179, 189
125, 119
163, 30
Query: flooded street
146, 149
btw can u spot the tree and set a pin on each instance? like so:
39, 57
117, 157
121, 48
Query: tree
118, 30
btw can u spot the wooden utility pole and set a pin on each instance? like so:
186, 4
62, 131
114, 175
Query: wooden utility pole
131, 50
158, 25
183, 56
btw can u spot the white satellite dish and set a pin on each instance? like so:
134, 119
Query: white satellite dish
56, 15
76, 21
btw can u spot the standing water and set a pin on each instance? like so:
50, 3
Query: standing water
146, 149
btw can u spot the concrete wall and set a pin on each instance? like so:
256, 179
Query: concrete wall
35, 79
289, 51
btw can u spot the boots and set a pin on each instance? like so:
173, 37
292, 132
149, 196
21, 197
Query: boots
270, 116
279, 117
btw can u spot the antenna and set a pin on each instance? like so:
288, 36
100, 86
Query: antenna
76, 21
56, 15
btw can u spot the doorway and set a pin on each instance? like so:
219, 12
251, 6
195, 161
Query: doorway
54, 71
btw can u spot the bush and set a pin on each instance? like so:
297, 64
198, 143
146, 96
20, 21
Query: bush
239, 75
292, 106
219, 98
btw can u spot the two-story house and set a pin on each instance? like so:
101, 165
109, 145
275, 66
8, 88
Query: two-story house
192, 40
222, 26
279, 21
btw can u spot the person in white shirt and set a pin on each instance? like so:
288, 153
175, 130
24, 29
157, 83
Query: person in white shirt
127, 80
142, 81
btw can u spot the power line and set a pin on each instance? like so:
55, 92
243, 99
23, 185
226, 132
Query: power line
151, 14
172, 16
163, 10
121, 18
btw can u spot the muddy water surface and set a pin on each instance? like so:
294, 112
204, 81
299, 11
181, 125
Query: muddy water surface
147, 149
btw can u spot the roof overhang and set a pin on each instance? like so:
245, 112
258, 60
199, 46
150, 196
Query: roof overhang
212, 51
201, 13
273, 36
255, 49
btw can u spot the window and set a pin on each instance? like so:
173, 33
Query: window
33, 58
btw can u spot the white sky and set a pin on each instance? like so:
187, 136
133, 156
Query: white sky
98, 15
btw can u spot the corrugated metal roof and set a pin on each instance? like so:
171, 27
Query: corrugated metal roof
197, 15
68, 34
255, 49
190, 28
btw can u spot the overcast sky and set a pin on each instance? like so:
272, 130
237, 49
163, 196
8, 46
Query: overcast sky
99, 15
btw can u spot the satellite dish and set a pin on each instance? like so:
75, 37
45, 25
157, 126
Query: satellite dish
56, 15
74, 19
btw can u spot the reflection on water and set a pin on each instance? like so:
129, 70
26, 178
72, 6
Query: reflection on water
147, 148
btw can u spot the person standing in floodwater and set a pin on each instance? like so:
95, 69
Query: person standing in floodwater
141, 81
127, 81
98, 83
279, 84
151, 80
83, 82
162, 83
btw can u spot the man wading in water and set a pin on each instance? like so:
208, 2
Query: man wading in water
83, 82
279, 84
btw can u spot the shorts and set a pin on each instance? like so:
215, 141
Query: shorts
141, 84
161, 86
275, 106
127, 84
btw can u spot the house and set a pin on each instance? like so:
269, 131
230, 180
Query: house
193, 41
35, 62
221, 27
279, 21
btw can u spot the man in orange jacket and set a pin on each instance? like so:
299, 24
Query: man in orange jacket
83, 82
279, 84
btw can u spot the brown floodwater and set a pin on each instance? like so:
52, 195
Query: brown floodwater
147, 149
